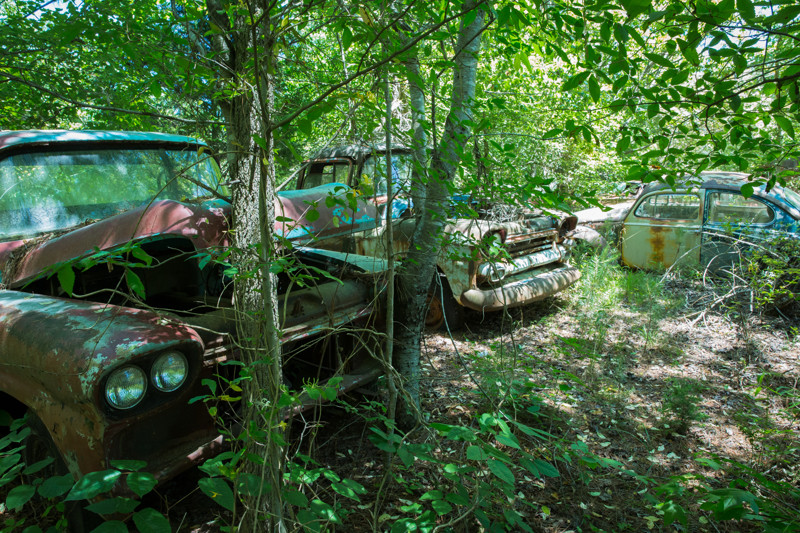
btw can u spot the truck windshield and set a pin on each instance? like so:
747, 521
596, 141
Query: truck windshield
47, 191
373, 177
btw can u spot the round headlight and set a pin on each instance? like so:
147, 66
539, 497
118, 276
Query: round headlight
493, 271
169, 371
125, 387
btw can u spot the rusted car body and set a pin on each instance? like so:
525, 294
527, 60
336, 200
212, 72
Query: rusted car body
707, 224
530, 265
113, 309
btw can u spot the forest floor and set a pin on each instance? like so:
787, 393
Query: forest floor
656, 403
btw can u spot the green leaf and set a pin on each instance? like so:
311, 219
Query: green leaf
19, 496
131, 465
151, 521
476, 453
432, 495
441, 507
68, 32
56, 486
141, 255
347, 37
66, 278
546, 468
305, 125
349, 490
93, 484
635, 7
594, 89
218, 490
550, 134
500, 470
784, 16
295, 497
134, 283
312, 215
785, 124
508, 440
405, 456
324, 511
575, 81
660, 60
250, 484
735, 103
747, 190
113, 505
37, 466
260, 142
141, 482
111, 526
673, 512
746, 10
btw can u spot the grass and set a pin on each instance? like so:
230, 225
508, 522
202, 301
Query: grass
661, 424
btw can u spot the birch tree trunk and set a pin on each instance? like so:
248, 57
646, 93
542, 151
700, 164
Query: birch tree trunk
420, 264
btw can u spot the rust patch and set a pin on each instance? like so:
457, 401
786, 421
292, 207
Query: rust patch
657, 243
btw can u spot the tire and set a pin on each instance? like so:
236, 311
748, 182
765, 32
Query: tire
443, 311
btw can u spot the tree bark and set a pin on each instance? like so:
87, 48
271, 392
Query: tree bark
248, 74
419, 268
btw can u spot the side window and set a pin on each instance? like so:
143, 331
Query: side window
672, 206
733, 208
325, 173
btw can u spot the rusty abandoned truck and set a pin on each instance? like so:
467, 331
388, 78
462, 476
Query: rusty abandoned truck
113, 309
531, 263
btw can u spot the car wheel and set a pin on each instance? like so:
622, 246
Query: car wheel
39, 446
443, 309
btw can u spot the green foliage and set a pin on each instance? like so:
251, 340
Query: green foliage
50, 494
686, 83
772, 271
680, 403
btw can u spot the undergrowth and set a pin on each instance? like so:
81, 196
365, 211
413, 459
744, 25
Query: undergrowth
594, 413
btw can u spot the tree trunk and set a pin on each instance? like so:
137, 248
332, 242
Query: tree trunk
248, 72
420, 264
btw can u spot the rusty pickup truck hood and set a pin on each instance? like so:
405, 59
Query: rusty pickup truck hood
321, 212
107, 335
205, 224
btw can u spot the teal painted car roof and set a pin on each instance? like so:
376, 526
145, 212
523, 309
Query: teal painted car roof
10, 139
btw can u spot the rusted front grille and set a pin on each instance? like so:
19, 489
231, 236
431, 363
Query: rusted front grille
525, 244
